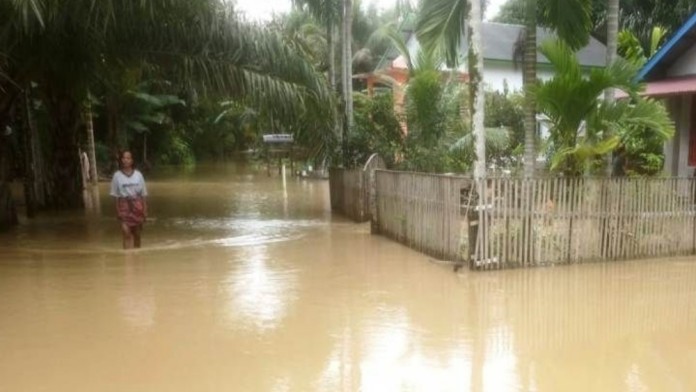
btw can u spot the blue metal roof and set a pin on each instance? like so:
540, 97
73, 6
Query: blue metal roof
666, 48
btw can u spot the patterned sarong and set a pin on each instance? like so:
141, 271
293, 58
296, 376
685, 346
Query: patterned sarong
131, 211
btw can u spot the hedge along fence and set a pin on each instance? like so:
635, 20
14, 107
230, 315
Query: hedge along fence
350, 189
505, 222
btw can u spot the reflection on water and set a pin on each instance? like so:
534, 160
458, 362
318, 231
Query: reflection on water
395, 359
258, 292
137, 300
248, 283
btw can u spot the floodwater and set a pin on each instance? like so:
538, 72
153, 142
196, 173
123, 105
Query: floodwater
244, 284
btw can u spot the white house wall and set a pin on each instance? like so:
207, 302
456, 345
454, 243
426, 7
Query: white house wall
677, 149
684, 134
685, 65
496, 75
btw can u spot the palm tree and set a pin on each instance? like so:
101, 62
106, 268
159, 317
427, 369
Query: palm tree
571, 20
584, 129
528, 80
65, 46
303, 33
612, 38
440, 27
347, 62
330, 12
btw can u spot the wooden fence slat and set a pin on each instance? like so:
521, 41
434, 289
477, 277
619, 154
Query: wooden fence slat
528, 207
527, 222
640, 235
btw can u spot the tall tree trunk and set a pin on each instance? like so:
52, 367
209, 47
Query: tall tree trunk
612, 34
332, 52
477, 97
91, 151
113, 128
28, 136
348, 60
331, 38
477, 104
64, 179
38, 167
528, 80
8, 211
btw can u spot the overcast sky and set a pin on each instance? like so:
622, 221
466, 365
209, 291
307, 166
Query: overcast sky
262, 9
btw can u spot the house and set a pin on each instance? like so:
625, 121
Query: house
500, 72
670, 74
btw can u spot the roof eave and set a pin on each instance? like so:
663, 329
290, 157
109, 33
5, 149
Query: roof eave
666, 48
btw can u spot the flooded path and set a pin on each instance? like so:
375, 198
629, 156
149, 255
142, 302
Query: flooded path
244, 285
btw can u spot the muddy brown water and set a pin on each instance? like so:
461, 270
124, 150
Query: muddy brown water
244, 284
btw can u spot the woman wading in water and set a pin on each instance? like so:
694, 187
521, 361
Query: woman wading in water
128, 187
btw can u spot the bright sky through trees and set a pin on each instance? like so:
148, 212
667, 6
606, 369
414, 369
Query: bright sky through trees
263, 9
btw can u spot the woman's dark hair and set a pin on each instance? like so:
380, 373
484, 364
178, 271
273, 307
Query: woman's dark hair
121, 153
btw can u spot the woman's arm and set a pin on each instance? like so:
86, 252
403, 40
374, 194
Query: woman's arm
143, 194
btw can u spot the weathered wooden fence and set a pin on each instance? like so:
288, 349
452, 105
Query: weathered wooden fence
348, 193
423, 211
552, 221
350, 189
505, 222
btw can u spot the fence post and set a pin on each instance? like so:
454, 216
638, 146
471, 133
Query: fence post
372, 187
573, 188
527, 212
692, 201
474, 222
604, 220
360, 197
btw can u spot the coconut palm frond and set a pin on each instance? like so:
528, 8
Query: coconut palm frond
584, 127
440, 27
496, 139
584, 152
390, 32
570, 19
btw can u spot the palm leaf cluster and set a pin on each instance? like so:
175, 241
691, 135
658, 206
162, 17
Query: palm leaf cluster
67, 48
584, 127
